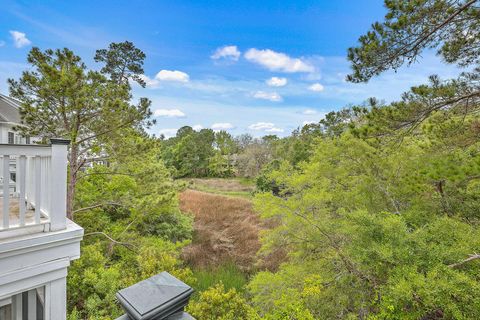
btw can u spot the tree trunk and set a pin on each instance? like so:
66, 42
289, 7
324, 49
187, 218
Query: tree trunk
72, 179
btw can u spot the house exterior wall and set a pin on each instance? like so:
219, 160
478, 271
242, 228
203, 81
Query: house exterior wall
39, 260
6, 127
9, 118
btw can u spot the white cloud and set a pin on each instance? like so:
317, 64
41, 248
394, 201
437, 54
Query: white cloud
272, 96
317, 87
222, 126
277, 82
168, 133
308, 122
277, 61
197, 127
167, 76
261, 126
226, 52
2, 43
264, 126
19, 39
169, 113
309, 111
151, 83
172, 75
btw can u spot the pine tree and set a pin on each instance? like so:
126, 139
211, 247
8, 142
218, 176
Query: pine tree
60, 97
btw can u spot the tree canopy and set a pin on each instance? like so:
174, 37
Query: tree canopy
410, 27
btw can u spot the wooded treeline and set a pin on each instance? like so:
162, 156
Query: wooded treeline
206, 153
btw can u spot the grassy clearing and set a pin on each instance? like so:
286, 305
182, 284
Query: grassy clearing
229, 274
234, 187
226, 230
226, 233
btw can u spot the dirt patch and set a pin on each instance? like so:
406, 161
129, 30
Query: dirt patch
226, 230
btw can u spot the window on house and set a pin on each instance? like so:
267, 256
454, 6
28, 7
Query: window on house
27, 140
11, 138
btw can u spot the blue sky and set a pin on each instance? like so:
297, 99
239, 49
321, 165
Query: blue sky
258, 67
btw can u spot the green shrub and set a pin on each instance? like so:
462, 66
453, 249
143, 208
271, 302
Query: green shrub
218, 304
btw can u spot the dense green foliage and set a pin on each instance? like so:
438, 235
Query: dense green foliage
104, 269
216, 303
133, 227
203, 153
381, 220
375, 230
206, 153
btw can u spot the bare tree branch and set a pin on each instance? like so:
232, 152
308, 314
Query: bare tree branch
472, 257
116, 204
125, 244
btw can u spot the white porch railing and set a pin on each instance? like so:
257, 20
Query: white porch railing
33, 182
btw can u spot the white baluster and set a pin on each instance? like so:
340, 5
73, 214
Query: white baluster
38, 185
6, 191
49, 185
17, 309
17, 183
21, 175
28, 184
42, 182
32, 304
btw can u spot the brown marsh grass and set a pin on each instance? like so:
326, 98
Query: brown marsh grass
226, 230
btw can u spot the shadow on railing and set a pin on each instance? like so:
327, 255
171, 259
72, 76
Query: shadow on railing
33, 185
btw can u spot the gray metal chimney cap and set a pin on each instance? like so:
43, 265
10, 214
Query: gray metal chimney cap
155, 298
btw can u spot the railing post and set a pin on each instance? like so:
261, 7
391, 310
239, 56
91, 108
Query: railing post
58, 214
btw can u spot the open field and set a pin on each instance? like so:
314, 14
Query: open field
234, 187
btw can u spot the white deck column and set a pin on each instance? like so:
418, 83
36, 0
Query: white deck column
59, 184
58, 299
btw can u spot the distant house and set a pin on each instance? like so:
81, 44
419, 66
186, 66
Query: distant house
9, 118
